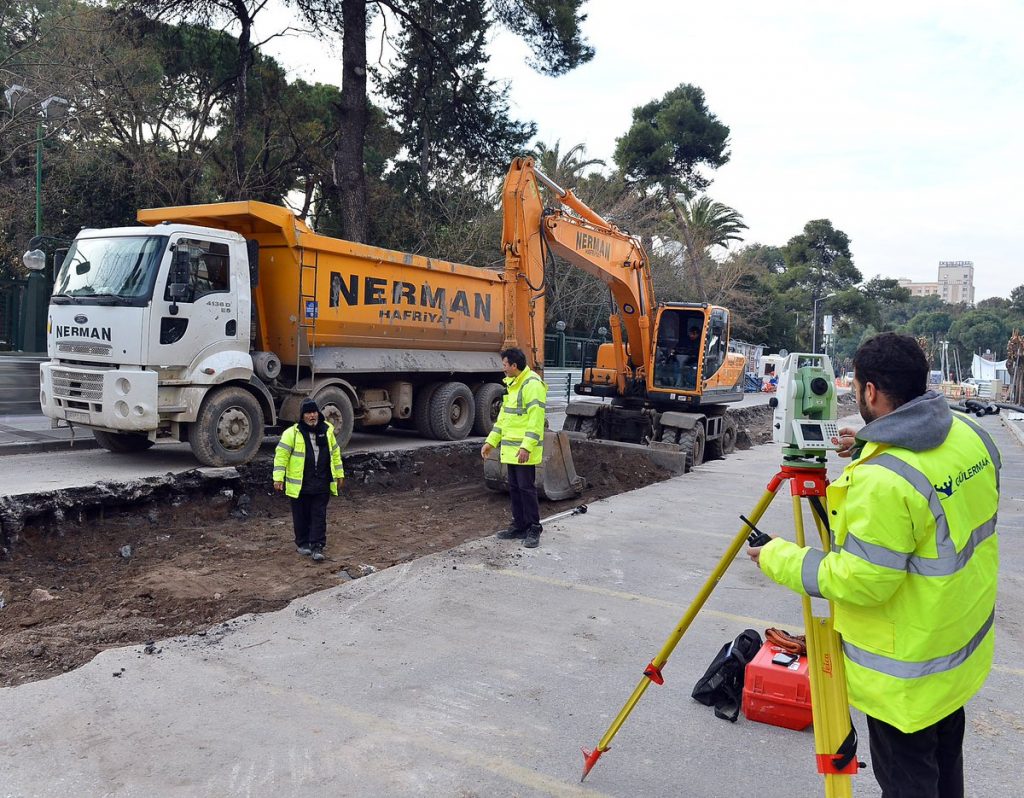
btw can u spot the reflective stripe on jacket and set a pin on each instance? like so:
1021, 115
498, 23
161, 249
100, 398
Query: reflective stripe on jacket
290, 460
520, 423
912, 574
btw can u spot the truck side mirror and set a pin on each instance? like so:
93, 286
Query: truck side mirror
177, 287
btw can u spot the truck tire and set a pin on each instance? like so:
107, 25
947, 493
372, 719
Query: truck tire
452, 411
725, 444
228, 429
691, 443
421, 409
487, 400
336, 408
121, 442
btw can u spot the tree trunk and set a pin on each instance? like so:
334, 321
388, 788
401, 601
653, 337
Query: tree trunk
236, 189
349, 174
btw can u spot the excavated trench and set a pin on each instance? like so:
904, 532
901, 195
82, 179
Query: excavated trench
86, 569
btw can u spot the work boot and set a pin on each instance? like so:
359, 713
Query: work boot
512, 533
318, 555
532, 538
305, 551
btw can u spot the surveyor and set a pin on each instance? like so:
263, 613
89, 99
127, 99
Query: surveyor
308, 468
519, 434
913, 568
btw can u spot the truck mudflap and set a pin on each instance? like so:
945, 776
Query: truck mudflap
556, 475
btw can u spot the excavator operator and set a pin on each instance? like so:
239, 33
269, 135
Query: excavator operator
678, 358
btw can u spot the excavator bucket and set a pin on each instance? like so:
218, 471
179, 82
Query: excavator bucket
556, 475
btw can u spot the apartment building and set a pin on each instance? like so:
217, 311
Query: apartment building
955, 283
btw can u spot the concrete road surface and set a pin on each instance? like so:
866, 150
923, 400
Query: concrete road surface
481, 671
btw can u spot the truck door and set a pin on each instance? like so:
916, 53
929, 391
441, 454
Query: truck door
206, 317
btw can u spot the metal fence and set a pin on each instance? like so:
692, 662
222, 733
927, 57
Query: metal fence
11, 300
570, 351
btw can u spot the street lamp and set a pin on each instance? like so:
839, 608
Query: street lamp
19, 98
814, 332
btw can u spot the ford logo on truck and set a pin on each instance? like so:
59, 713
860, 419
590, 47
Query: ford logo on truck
80, 319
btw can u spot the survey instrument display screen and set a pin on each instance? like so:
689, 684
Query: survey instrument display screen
812, 432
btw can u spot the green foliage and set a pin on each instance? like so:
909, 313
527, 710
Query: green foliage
551, 28
449, 116
670, 139
980, 330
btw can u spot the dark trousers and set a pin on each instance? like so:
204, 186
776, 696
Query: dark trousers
928, 763
309, 517
522, 489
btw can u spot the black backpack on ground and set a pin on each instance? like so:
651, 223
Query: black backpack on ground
721, 686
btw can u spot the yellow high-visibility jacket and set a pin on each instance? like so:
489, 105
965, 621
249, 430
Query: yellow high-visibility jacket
914, 562
290, 460
520, 423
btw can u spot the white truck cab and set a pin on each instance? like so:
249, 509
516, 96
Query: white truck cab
143, 321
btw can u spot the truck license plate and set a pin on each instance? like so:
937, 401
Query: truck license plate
77, 415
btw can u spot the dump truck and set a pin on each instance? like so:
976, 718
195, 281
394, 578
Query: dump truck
668, 373
215, 321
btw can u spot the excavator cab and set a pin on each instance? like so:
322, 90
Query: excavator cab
680, 349
691, 353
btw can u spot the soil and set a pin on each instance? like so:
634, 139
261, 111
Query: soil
99, 567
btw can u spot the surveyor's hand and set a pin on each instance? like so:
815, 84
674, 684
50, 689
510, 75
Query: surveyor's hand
278, 486
523, 456
485, 450
754, 553
846, 441
341, 481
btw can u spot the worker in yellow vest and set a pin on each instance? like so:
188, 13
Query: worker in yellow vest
519, 432
913, 568
307, 467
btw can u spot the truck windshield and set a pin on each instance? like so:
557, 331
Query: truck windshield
123, 267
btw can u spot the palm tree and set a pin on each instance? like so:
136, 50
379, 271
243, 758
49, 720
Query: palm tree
566, 169
702, 224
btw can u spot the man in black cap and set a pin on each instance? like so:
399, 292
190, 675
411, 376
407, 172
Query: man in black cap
307, 467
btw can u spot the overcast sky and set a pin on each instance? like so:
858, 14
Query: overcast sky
902, 122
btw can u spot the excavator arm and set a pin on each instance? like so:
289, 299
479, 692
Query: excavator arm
583, 238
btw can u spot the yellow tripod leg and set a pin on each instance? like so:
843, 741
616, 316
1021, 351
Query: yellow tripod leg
830, 706
652, 673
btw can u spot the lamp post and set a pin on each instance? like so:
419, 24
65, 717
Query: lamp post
560, 344
814, 331
19, 98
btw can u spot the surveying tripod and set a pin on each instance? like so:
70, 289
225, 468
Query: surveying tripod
834, 739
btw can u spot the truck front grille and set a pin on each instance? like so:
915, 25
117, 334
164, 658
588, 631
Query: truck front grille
78, 385
84, 349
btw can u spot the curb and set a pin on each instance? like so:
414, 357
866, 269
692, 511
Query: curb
39, 447
1014, 429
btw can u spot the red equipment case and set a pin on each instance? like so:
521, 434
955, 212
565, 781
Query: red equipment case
777, 694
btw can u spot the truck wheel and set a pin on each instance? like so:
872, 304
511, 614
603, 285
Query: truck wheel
228, 429
421, 409
452, 411
487, 400
691, 443
121, 443
724, 445
336, 408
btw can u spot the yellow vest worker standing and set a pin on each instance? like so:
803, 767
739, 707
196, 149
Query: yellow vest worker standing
913, 568
307, 467
519, 432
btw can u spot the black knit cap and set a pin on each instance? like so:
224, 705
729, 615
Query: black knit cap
309, 406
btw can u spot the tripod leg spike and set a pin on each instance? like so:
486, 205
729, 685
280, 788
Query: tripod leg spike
589, 760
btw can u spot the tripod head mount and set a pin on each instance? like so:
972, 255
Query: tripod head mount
805, 415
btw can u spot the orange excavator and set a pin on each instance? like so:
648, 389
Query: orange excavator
668, 371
